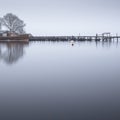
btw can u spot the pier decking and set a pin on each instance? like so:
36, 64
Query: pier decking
75, 38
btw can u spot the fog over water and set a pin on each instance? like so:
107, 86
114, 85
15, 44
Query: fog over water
58, 81
66, 17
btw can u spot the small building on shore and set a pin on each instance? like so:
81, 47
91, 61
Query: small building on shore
12, 36
3, 33
7, 34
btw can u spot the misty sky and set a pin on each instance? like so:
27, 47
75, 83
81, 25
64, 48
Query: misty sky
65, 17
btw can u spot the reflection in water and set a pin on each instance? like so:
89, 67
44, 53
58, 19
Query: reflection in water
108, 43
11, 52
58, 81
98, 44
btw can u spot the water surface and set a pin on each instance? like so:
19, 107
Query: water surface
58, 81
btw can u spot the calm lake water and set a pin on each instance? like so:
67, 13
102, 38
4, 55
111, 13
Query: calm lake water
58, 81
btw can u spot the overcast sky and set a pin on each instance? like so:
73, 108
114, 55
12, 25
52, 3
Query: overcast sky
66, 17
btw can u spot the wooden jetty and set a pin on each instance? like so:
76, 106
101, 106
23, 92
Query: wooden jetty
75, 38
27, 38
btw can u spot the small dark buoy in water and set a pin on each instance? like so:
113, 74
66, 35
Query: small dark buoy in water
72, 42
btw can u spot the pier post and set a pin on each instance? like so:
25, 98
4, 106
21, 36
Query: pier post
117, 37
96, 37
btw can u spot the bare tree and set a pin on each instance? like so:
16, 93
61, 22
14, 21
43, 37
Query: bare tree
13, 23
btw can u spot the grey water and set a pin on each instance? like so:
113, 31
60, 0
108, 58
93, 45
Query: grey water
58, 81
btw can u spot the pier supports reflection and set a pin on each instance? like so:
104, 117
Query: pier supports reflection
107, 43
